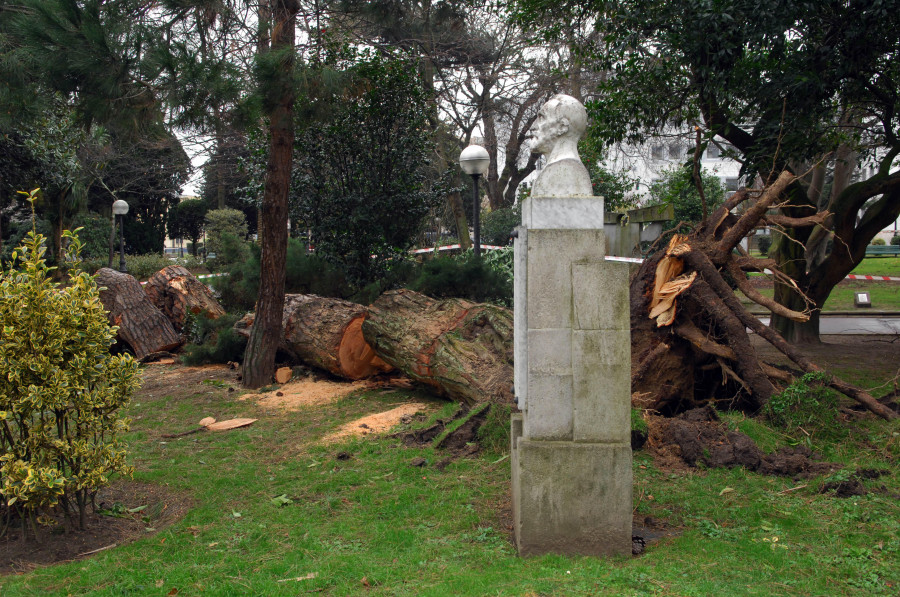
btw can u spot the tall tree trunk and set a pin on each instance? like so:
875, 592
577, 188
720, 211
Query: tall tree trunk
789, 251
220, 163
259, 359
459, 218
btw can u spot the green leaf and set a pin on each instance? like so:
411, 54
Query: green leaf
281, 500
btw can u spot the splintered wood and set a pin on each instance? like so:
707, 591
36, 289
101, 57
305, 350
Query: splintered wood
177, 293
668, 284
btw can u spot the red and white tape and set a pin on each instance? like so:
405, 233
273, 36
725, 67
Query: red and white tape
874, 278
451, 247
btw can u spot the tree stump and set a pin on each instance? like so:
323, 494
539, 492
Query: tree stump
461, 349
141, 325
176, 292
325, 333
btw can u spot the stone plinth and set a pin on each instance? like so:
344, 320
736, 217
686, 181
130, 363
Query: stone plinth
571, 452
569, 497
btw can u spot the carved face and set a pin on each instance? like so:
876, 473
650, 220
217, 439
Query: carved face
548, 127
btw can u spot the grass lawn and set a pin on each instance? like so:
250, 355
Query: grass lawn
879, 266
885, 296
375, 525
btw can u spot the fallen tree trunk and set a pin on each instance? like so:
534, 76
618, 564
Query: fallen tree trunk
176, 292
463, 350
141, 325
325, 333
689, 340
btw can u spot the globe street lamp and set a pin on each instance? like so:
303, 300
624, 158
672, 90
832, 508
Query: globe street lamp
120, 208
474, 161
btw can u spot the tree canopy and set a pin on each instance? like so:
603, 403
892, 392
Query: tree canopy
359, 178
187, 220
781, 84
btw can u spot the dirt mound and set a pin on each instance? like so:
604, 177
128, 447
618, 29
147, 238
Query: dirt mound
459, 443
853, 486
697, 437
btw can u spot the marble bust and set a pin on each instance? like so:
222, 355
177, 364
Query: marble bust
560, 124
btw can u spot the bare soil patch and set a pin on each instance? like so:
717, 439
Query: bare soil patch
175, 379
697, 438
864, 353
57, 541
459, 443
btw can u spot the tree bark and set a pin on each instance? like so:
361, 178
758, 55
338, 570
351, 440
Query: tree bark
462, 350
459, 218
325, 333
259, 358
141, 325
176, 292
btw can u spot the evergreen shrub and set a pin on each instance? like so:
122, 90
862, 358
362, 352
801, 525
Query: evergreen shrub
497, 226
213, 340
61, 391
464, 277
305, 273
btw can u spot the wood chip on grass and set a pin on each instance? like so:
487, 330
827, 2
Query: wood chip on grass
376, 423
307, 392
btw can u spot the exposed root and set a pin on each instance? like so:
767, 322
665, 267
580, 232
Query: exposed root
688, 293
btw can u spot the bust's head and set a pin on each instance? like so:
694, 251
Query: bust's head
562, 118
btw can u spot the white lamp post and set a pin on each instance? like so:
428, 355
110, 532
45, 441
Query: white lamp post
474, 161
120, 208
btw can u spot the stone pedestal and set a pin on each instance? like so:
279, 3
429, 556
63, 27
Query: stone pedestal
571, 445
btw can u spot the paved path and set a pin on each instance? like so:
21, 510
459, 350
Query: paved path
856, 325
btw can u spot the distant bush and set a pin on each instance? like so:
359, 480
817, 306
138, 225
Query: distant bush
213, 340
764, 242
878, 242
229, 248
142, 266
139, 266
464, 277
189, 262
399, 275
305, 273
895, 240
94, 234
222, 223
61, 391
498, 225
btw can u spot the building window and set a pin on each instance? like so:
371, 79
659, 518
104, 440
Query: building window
676, 152
732, 184
713, 152
657, 152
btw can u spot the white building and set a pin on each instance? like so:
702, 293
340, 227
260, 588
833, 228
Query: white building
649, 162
